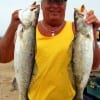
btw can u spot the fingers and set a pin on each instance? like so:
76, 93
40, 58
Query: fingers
91, 12
15, 14
15, 19
90, 18
34, 3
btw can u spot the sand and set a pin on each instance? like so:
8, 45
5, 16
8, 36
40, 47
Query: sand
6, 77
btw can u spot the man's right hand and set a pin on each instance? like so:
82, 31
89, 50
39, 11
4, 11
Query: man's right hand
15, 20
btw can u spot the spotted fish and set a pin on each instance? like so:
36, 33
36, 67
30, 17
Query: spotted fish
82, 51
24, 53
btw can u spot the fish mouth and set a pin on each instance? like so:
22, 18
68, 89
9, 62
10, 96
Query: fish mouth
81, 11
34, 6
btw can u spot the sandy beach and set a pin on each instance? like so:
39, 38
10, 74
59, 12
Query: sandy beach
6, 77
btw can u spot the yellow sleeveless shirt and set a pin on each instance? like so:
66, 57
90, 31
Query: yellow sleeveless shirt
53, 57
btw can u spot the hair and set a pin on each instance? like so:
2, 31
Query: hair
44, 0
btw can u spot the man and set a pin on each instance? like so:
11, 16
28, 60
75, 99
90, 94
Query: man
54, 36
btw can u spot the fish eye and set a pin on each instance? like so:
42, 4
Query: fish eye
33, 8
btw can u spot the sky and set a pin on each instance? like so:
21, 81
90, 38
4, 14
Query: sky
7, 7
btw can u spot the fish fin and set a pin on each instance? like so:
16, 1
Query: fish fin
20, 31
14, 85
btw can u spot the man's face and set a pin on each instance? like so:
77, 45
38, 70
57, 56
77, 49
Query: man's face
53, 10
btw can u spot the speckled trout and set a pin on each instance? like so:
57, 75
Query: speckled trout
24, 54
82, 51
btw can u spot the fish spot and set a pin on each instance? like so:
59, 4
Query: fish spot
88, 36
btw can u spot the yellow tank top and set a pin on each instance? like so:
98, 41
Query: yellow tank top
52, 80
